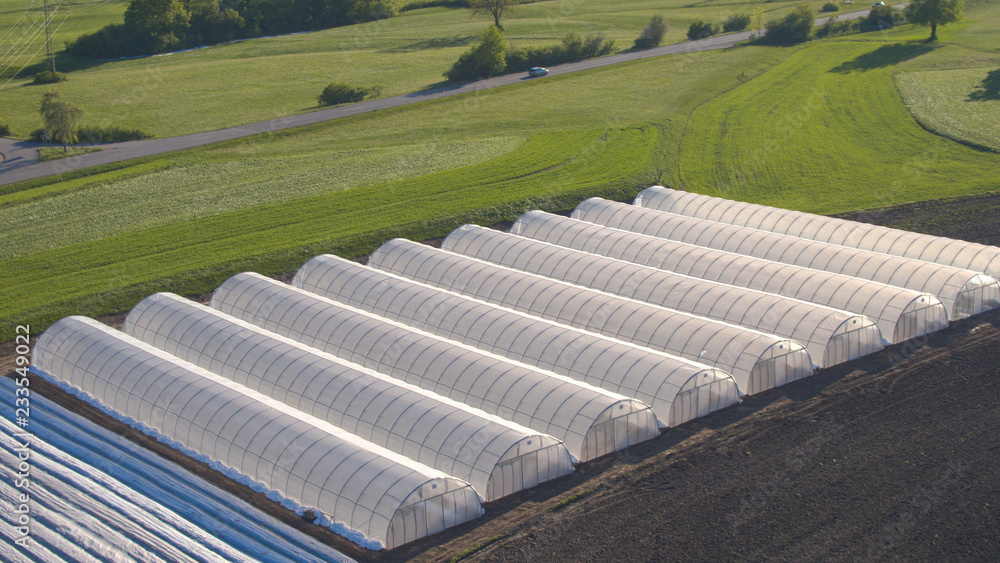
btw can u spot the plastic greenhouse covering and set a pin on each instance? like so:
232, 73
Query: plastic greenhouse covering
495, 456
901, 314
585, 417
676, 389
940, 250
387, 497
831, 336
757, 361
963, 292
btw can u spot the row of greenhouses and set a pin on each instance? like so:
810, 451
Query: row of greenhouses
396, 397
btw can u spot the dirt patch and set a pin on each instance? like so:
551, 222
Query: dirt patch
890, 457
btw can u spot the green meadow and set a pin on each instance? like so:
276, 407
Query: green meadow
821, 127
259, 79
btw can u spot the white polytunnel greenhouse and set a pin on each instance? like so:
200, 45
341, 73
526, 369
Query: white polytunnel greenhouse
585, 417
963, 292
831, 336
385, 496
676, 389
940, 250
901, 314
497, 457
757, 361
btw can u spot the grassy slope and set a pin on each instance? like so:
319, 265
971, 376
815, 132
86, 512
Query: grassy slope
222, 86
826, 132
955, 92
825, 141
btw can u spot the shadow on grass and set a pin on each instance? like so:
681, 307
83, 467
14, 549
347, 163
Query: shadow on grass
435, 43
64, 63
989, 89
885, 56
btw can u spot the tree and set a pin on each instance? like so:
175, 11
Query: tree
736, 22
757, 20
60, 117
934, 13
157, 26
796, 27
653, 33
702, 29
485, 59
494, 8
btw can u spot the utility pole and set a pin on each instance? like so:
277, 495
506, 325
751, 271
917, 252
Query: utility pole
48, 38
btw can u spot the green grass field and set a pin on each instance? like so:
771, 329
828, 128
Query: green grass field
826, 131
819, 127
260, 79
955, 91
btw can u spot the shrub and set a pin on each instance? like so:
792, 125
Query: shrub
527, 57
830, 7
834, 27
420, 4
340, 93
796, 27
737, 22
49, 77
4, 129
653, 33
573, 48
109, 42
96, 134
882, 17
485, 59
702, 29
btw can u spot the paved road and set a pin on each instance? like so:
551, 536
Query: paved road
21, 166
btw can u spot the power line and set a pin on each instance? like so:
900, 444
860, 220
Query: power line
35, 54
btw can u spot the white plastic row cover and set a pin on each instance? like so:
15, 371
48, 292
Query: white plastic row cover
385, 496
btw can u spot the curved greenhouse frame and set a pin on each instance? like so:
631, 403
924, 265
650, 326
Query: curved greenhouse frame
901, 314
584, 417
830, 335
940, 250
676, 389
385, 496
757, 361
497, 457
963, 292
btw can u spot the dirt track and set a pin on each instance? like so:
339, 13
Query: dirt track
892, 456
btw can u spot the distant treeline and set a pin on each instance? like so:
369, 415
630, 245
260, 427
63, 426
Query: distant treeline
161, 26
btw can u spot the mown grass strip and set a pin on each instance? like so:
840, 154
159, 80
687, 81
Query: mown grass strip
109, 275
576, 497
826, 131
465, 554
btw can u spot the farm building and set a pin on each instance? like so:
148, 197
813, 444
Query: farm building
963, 292
389, 498
591, 421
831, 336
677, 390
901, 314
495, 456
940, 250
757, 361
